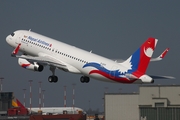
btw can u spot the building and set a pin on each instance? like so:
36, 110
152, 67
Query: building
10, 109
5, 102
153, 102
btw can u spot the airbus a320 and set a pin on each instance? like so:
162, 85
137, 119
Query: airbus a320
39, 51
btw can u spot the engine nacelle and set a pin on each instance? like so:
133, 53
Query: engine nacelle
27, 65
146, 79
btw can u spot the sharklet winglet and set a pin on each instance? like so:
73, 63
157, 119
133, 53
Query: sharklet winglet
16, 50
164, 53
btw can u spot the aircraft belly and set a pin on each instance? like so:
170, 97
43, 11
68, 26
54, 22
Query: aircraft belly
101, 78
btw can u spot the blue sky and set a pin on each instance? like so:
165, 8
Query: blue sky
113, 29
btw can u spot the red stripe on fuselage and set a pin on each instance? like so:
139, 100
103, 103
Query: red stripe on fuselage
119, 79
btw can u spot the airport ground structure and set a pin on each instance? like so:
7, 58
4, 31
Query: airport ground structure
8, 111
153, 102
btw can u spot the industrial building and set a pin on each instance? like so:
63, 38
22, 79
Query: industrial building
5, 102
152, 102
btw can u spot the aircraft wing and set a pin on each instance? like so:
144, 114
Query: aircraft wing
45, 60
41, 58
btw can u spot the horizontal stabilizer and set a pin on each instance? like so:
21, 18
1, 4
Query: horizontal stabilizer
162, 77
160, 57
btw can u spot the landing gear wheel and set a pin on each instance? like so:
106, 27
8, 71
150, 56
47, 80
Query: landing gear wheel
50, 79
84, 79
53, 79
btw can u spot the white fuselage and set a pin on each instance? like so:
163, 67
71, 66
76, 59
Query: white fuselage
57, 110
34, 44
39, 51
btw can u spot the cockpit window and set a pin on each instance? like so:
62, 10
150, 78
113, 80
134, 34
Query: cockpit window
12, 34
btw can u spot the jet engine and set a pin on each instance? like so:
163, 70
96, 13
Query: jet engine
30, 66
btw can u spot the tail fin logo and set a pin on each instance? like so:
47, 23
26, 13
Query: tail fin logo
149, 49
148, 52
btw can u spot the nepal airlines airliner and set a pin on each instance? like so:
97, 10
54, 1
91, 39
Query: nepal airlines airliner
39, 51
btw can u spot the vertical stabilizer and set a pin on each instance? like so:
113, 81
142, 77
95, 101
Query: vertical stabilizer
17, 103
20, 104
14, 103
140, 59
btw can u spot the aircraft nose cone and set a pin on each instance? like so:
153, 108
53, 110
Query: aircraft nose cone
8, 38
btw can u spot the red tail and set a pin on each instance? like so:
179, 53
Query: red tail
19, 104
141, 58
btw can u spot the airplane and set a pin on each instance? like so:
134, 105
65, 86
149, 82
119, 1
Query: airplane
49, 110
39, 51
56, 110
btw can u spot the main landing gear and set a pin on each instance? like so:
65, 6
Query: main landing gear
52, 78
84, 79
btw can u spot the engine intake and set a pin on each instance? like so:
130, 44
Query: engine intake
39, 68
